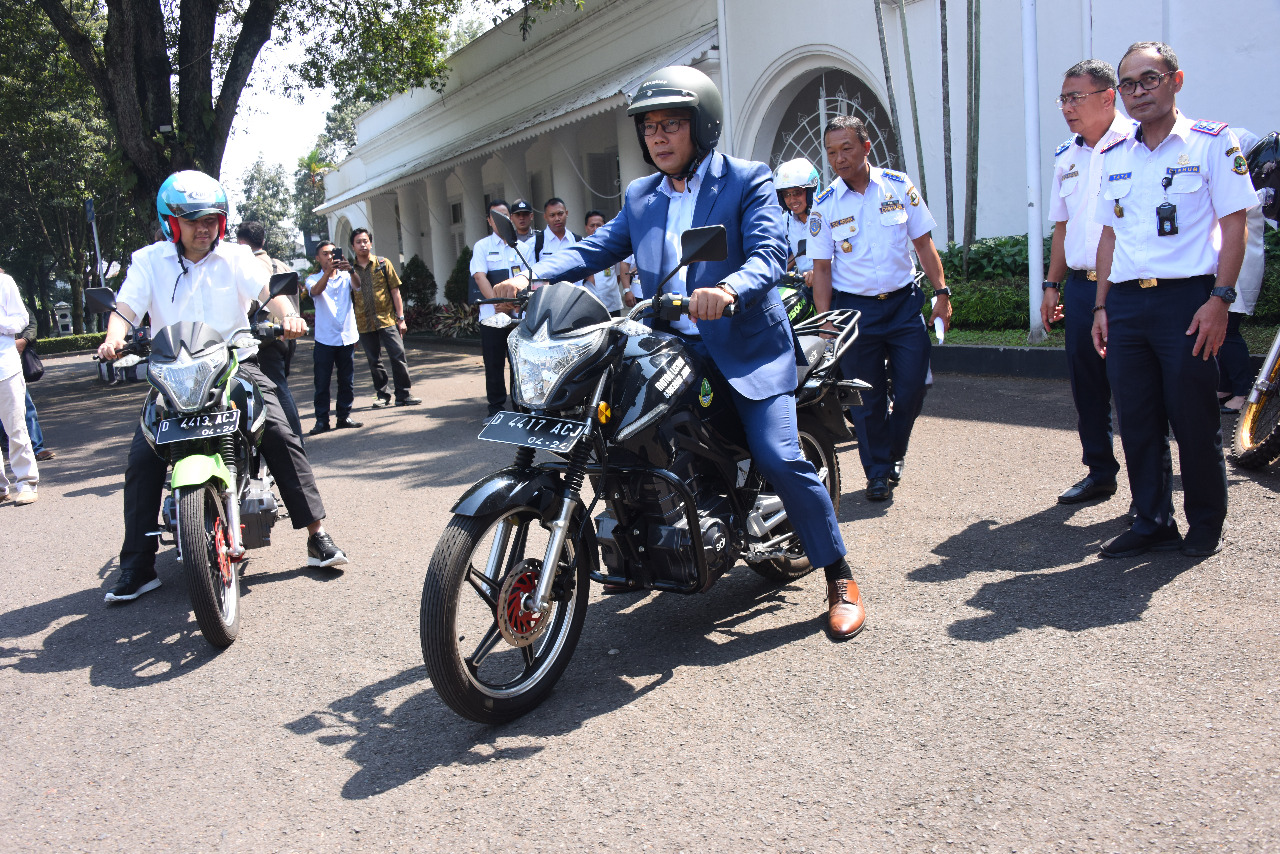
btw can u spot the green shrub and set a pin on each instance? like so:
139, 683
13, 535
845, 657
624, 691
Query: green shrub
994, 304
990, 258
417, 284
455, 289
69, 343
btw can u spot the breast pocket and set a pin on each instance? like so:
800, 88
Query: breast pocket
1190, 192
1116, 195
893, 216
1069, 186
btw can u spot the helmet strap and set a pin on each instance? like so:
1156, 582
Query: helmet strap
692, 168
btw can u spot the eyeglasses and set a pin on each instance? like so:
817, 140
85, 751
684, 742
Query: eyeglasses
667, 125
1075, 99
1148, 81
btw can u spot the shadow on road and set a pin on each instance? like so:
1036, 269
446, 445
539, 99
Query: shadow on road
394, 744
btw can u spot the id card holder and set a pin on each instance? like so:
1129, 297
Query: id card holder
800, 248
1166, 220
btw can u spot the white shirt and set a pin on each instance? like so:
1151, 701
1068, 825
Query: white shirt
867, 236
551, 245
1207, 184
680, 220
13, 320
491, 254
1073, 199
217, 290
1249, 282
335, 318
636, 290
605, 286
798, 240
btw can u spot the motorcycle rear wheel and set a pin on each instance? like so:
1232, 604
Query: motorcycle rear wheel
1257, 442
818, 448
474, 666
213, 584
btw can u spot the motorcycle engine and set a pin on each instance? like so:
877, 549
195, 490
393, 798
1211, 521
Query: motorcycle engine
258, 512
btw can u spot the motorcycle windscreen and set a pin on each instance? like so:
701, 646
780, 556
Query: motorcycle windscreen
564, 308
195, 337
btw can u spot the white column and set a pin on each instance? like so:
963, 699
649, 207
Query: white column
382, 222
631, 163
566, 164
442, 255
515, 175
1035, 220
410, 229
722, 25
473, 213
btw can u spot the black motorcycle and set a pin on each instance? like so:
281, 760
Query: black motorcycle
653, 429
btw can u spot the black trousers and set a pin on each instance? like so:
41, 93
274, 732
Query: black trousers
1236, 376
275, 364
373, 342
281, 448
1090, 387
493, 347
326, 358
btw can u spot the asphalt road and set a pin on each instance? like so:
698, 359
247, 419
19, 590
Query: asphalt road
1012, 692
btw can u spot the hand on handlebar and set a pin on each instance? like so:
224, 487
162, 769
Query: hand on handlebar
511, 287
110, 349
294, 327
709, 303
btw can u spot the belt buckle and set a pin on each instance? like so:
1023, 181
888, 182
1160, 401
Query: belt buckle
882, 296
1092, 275
1148, 283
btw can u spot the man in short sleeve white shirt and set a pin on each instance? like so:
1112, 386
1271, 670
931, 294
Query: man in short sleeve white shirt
336, 338
1171, 196
493, 261
556, 237
862, 230
605, 284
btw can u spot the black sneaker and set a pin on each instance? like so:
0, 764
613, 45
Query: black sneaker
408, 401
321, 551
321, 427
348, 424
381, 400
132, 584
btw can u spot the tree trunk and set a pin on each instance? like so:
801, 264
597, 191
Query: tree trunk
911, 92
971, 145
946, 124
888, 82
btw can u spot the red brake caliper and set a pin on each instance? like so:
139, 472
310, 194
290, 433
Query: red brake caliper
220, 548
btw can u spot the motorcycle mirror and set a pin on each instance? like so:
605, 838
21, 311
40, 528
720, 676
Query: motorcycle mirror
99, 300
503, 226
709, 243
284, 283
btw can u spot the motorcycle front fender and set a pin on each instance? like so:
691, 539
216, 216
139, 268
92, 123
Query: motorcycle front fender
510, 486
198, 468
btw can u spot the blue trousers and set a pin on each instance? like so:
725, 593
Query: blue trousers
1090, 387
1158, 384
324, 359
33, 428
773, 439
892, 329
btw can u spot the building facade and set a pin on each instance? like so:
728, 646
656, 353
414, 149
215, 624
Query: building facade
546, 116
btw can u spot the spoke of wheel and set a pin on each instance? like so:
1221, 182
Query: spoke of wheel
487, 643
517, 548
529, 657
478, 580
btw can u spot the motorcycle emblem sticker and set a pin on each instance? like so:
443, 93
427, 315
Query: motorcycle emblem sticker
705, 395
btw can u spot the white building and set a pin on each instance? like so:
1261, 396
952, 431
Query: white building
547, 116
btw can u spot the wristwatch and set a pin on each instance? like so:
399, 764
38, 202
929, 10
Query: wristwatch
1227, 295
1048, 284
942, 292
728, 289
400, 319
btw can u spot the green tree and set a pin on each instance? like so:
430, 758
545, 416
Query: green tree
308, 193
265, 198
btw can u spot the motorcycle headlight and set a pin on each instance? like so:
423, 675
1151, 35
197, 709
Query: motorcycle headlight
186, 381
542, 362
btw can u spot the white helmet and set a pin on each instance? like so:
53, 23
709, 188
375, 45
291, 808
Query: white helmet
796, 173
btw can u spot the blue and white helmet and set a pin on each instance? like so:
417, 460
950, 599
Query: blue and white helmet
190, 195
797, 173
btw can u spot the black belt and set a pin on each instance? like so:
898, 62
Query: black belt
1091, 275
1207, 278
884, 295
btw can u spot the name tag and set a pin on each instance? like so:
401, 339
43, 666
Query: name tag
1071, 174
1120, 176
838, 222
1180, 170
891, 205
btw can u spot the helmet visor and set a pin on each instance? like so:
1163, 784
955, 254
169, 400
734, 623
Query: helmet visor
194, 210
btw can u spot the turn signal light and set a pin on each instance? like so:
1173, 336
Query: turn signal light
603, 412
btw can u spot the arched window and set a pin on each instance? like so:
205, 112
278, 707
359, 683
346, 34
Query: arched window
832, 92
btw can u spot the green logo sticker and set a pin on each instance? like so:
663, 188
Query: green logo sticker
704, 396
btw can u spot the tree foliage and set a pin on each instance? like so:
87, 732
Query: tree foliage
265, 198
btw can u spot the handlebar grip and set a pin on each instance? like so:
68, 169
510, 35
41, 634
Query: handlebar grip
730, 310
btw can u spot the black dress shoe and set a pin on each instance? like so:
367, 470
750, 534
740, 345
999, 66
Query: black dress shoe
348, 424
1201, 543
895, 476
1130, 544
320, 427
878, 489
1087, 490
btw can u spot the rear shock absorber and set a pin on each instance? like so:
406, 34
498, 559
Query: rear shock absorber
231, 498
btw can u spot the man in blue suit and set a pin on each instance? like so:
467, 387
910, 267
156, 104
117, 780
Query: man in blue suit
678, 116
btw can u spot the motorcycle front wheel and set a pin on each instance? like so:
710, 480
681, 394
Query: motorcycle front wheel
1258, 425
818, 448
489, 660
213, 585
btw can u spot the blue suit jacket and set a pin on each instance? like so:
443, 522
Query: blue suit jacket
754, 349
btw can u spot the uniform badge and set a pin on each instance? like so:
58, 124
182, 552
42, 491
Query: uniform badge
1183, 159
1063, 147
1120, 176
1073, 173
704, 394
891, 205
1235, 149
815, 223
1241, 165
1211, 128
896, 176
825, 194
846, 246
1119, 210
1111, 145
914, 197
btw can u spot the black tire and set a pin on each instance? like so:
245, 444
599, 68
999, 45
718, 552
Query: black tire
819, 448
459, 601
213, 584
1257, 443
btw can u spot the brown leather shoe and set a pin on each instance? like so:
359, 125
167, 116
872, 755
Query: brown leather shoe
846, 616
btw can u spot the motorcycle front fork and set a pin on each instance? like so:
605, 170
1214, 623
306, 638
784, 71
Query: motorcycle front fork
1263, 383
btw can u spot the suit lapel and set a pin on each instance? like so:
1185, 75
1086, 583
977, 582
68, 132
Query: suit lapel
709, 193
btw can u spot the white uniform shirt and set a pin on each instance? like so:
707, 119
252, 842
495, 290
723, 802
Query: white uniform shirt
1073, 199
13, 320
335, 318
867, 236
1249, 282
605, 286
798, 240
217, 290
680, 220
1207, 184
490, 253
552, 244
636, 290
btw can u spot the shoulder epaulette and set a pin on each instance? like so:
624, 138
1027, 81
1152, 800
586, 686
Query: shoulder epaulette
1211, 128
900, 177
1112, 144
1064, 146
825, 194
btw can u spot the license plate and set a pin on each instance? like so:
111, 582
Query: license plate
197, 426
533, 431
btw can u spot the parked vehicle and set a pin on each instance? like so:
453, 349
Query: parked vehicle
1257, 443
637, 415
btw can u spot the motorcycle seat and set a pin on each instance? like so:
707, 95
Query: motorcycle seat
813, 346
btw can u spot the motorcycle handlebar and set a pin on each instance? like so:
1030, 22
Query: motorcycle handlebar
675, 306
